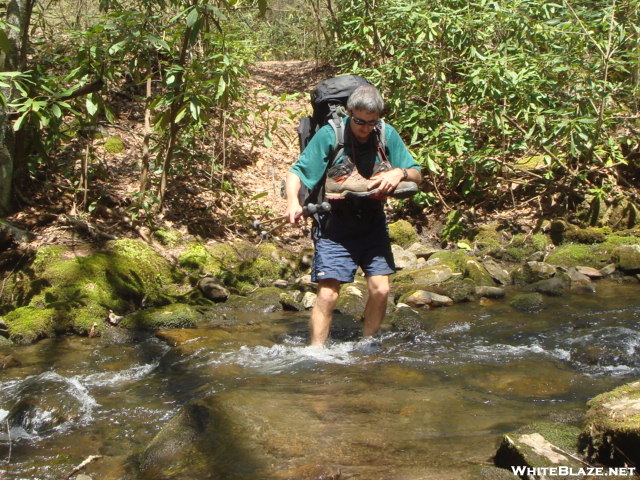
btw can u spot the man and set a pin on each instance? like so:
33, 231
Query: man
354, 234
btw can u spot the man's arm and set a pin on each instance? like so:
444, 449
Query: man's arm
292, 190
387, 182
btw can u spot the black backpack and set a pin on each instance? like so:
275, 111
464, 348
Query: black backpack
329, 101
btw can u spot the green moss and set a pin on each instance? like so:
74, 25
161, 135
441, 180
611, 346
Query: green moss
402, 233
216, 260
28, 324
587, 235
523, 246
46, 255
261, 271
169, 237
456, 260
573, 255
114, 145
488, 239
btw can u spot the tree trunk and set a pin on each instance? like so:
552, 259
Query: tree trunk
18, 15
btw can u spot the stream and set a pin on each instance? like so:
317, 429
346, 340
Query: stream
426, 404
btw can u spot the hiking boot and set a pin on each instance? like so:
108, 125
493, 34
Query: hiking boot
344, 180
404, 189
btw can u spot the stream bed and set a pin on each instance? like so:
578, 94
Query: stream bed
426, 404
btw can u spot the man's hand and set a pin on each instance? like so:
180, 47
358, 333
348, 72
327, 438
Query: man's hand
386, 182
292, 187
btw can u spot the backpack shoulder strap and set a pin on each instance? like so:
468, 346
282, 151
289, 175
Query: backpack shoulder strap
338, 145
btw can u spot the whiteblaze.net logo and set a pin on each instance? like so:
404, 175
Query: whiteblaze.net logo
522, 471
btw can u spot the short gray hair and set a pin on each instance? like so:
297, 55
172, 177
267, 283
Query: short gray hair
366, 97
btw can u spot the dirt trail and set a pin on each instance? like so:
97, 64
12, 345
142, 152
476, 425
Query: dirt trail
270, 164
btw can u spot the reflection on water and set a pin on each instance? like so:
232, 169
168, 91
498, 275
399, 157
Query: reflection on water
428, 404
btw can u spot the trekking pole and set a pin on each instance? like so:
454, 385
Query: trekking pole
307, 211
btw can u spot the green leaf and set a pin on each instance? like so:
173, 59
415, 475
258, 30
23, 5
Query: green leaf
18, 123
268, 141
192, 18
92, 104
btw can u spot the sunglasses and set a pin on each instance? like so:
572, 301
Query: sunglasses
359, 121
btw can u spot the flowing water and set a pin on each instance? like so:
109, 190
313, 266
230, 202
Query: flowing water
423, 405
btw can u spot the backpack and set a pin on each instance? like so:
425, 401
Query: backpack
328, 101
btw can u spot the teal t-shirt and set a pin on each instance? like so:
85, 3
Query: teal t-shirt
313, 161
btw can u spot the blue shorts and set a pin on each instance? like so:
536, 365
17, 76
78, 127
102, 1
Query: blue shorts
348, 243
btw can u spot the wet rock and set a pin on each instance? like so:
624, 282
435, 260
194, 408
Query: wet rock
554, 287
528, 302
121, 336
498, 273
310, 472
583, 289
590, 272
8, 361
289, 303
352, 300
608, 270
46, 403
406, 319
577, 277
177, 315
422, 251
280, 283
490, 292
457, 289
429, 275
478, 273
196, 443
532, 450
309, 300
176, 337
627, 258
5, 342
212, 290
404, 259
420, 298
532, 272
612, 428
262, 300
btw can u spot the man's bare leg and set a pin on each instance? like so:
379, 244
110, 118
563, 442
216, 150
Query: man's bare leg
322, 313
374, 311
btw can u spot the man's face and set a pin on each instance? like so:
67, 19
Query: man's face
362, 123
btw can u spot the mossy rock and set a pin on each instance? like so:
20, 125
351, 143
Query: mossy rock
402, 233
627, 258
114, 145
177, 315
540, 446
577, 255
28, 324
457, 289
523, 246
612, 428
587, 235
477, 272
488, 239
528, 302
81, 290
215, 260
454, 259
169, 237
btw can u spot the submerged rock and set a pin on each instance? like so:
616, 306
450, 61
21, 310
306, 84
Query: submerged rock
528, 302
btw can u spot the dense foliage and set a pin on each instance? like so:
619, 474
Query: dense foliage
506, 98
504, 103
